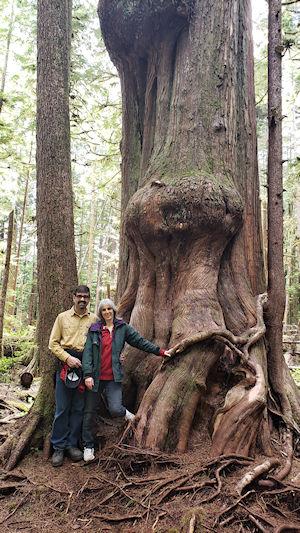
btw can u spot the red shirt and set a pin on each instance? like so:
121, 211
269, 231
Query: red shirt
106, 372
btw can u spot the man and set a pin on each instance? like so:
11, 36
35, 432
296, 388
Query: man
66, 342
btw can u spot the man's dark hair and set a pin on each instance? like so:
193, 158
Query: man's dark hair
81, 288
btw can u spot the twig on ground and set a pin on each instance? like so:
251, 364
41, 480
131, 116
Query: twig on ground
257, 524
192, 524
233, 506
120, 489
118, 518
69, 502
276, 510
21, 502
257, 516
156, 520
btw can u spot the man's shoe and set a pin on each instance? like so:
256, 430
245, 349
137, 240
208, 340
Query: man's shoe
58, 458
74, 453
88, 454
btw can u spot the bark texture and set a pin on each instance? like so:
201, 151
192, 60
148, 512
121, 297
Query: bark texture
276, 289
191, 264
56, 261
6, 276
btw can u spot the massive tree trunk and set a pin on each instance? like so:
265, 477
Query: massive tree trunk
56, 261
191, 266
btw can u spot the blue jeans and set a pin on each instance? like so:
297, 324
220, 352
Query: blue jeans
68, 416
113, 392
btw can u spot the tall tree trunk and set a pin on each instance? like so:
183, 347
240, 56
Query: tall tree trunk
8, 42
18, 253
92, 225
81, 233
194, 263
56, 261
276, 288
5, 276
10, 297
22, 223
32, 306
264, 215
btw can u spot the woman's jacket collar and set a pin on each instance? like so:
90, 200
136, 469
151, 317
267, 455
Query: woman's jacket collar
98, 326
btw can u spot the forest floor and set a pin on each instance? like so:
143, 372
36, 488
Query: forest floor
127, 489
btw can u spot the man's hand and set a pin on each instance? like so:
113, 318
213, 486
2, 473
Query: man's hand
73, 362
89, 383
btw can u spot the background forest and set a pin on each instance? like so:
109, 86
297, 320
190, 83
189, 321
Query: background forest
95, 138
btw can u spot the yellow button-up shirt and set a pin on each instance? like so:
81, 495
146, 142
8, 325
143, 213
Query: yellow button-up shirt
69, 332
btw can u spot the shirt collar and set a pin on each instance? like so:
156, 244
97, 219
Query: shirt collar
73, 312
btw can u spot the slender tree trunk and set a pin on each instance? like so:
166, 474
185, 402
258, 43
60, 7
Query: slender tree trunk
264, 212
6, 275
276, 288
81, 232
16, 270
92, 225
8, 42
32, 305
10, 298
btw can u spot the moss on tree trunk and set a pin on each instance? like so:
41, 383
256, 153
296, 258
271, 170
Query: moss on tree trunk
191, 257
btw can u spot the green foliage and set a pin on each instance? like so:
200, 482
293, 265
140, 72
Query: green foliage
95, 112
296, 375
6, 365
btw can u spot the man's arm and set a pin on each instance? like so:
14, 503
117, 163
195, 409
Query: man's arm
54, 342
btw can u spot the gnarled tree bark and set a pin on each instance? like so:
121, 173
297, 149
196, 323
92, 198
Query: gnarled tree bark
191, 263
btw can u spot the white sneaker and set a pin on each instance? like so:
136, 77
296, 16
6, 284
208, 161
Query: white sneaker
88, 454
129, 416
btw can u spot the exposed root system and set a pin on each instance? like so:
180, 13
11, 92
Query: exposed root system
142, 491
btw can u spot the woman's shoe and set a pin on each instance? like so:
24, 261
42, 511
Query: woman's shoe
88, 454
129, 416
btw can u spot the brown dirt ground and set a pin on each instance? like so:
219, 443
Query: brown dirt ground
130, 490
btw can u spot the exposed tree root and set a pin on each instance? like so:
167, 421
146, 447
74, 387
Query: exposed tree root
257, 471
285, 470
13, 447
132, 485
239, 343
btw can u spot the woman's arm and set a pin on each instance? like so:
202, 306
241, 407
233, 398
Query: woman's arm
87, 357
135, 339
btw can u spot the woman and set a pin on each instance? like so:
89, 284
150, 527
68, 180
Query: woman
102, 369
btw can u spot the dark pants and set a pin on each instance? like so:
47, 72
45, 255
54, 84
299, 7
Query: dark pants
113, 392
68, 416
